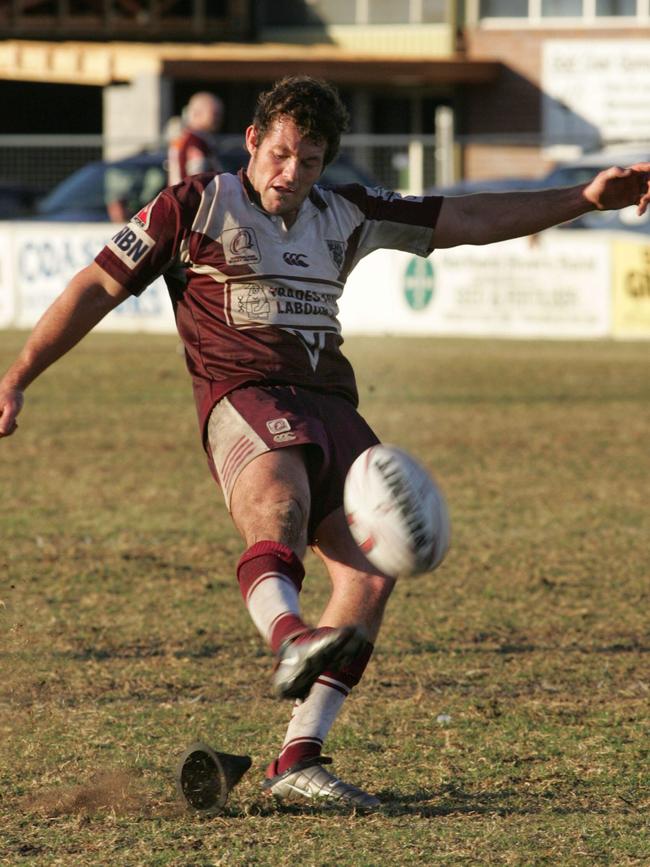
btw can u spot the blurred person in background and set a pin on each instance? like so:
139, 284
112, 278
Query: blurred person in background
194, 150
255, 263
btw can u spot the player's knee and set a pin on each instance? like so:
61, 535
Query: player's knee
290, 517
282, 520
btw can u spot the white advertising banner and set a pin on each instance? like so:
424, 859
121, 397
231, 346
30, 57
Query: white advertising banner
596, 89
554, 285
7, 283
46, 255
557, 284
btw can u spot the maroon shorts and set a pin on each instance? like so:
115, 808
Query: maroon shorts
256, 419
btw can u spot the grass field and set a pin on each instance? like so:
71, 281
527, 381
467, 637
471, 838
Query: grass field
504, 718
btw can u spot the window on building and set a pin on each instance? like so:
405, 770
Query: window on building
435, 12
334, 11
504, 8
561, 8
389, 11
300, 13
38, 7
534, 9
290, 13
615, 7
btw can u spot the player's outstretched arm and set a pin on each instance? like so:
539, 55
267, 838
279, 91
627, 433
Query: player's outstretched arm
89, 296
484, 218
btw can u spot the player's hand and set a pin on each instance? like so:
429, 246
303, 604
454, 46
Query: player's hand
643, 169
619, 187
11, 402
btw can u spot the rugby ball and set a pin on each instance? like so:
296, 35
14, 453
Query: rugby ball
396, 513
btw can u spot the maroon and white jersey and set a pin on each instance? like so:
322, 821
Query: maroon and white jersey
256, 302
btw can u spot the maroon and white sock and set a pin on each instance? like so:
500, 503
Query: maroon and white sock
313, 717
270, 578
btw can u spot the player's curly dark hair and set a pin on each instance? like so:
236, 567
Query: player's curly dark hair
314, 106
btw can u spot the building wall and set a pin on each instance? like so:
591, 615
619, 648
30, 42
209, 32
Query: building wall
409, 40
512, 110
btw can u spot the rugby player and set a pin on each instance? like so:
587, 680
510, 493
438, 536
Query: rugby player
255, 264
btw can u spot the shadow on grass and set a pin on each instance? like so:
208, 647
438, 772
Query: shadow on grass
513, 648
207, 650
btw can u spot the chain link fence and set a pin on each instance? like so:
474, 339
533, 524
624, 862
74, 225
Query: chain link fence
409, 164
41, 162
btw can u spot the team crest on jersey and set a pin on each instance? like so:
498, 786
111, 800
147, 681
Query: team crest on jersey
337, 252
240, 246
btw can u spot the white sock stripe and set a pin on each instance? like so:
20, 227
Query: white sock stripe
277, 575
271, 596
334, 684
291, 743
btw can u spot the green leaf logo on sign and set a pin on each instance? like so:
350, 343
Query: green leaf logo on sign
419, 283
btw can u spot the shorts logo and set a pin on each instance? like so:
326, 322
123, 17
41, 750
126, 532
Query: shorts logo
284, 437
278, 425
131, 244
240, 246
296, 259
337, 252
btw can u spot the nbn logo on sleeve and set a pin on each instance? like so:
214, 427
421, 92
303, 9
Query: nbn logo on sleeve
131, 244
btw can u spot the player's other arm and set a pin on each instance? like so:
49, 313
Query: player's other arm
89, 296
487, 217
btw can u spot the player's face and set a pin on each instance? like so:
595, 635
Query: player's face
283, 167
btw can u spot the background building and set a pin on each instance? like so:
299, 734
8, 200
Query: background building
516, 84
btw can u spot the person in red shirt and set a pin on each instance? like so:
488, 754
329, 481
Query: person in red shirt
195, 149
255, 264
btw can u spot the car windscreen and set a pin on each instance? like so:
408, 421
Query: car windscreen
95, 186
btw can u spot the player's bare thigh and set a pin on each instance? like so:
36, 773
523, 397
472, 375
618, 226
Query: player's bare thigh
359, 591
271, 499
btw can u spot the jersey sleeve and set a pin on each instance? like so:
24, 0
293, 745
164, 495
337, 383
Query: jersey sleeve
145, 247
392, 221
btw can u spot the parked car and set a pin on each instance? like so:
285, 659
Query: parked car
17, 200
491, 185
92, 192
566, 175
583, 169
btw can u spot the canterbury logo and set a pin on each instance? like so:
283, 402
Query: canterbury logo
296, 259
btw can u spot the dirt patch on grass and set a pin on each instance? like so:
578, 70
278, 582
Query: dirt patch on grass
118, 790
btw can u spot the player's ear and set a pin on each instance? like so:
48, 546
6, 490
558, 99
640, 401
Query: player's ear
251, 139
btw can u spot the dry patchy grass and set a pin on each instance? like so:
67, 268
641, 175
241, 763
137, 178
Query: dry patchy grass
504, 717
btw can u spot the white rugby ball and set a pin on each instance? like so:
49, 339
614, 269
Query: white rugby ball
396, 513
